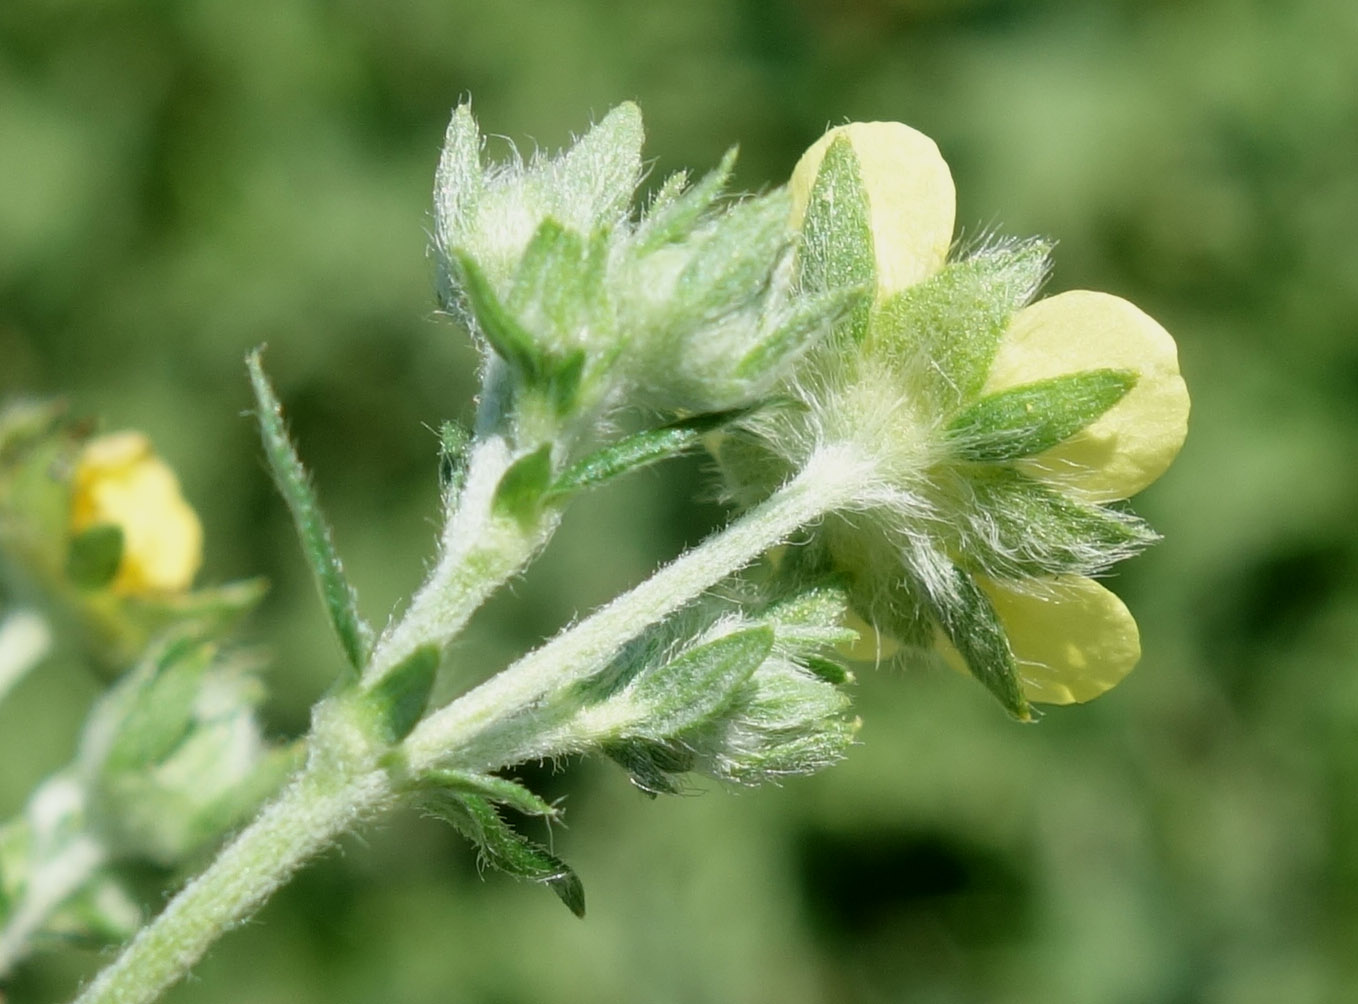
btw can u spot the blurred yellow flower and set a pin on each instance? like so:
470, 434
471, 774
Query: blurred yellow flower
1071, 639
120, 481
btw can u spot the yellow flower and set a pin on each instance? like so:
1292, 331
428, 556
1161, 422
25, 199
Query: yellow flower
120, 481
1071, 639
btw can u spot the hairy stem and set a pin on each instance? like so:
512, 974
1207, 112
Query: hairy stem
474, 730
480, 549
319, 804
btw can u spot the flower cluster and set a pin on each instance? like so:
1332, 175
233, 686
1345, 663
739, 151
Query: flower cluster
998, 429
686, 307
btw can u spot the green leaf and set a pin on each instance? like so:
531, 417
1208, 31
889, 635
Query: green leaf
640, 450
505, 849
1030, 529
681, 693
522, 488
1024, 421
500, 790
510, 340
652, 765
952, 323
341, 601
970, 623
94, 556
401, 696
837, 248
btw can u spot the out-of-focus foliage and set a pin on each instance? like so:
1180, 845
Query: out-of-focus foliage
181, 181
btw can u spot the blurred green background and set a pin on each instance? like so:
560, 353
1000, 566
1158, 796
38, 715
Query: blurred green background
181, 180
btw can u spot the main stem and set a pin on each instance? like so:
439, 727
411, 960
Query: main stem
320, 803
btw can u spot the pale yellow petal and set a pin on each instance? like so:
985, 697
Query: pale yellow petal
1072, 638
120, 481
1135, 440
911, 199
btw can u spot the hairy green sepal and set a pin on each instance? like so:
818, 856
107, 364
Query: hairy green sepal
970, 623
1024, 421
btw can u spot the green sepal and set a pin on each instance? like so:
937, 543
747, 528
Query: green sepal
837, 247
653, 766
507, 337
677, 210
685, 691
338, 595
599, 173
563, 381
640, 450
731, 265
151, 709
800, 329
813, 614
953, 321
1024, 421
500, 790
401, 696
94, 556
829, 670
454, 441
505, 849
1031, 529
523, 486
971, 624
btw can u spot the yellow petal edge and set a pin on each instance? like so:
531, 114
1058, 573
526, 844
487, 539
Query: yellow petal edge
1132, 443
1072, 638
911, 198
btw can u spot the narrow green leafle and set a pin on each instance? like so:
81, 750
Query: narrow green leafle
680, 694
401, 696
94, 556
507, 850
639, 450
341, 601
970, 623
500, 790
1024, 421
1034, 530
676, 210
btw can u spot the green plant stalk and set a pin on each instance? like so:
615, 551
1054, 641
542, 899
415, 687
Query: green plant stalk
311, 812
506, 720
480, 549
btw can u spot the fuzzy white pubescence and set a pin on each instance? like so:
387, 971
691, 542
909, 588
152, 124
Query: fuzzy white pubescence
925, 513
685, 307
781, 718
